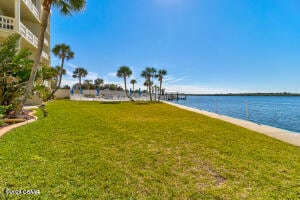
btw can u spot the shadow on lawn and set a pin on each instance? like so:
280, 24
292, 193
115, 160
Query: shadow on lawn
142, 103
110, 102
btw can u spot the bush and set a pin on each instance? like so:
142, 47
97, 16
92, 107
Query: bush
15, 68
4, 110
42, 91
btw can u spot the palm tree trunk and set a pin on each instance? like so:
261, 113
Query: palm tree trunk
150, 91
79, 77
44, 23
126, 94
60, 77
160, 93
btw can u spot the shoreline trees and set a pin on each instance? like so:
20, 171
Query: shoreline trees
148, 74
161, 73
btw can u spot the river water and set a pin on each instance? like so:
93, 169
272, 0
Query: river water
280, 112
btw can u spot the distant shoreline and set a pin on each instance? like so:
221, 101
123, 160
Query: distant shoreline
284, 94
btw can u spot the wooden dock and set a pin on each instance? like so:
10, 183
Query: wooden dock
174, 96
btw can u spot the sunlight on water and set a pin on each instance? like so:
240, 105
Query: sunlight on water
281, 112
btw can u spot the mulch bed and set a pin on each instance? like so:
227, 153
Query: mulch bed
25, 115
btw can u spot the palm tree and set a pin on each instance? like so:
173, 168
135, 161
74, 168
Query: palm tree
133, 81
88, 84
149, 73
49, 74
64, 52
79, 73
147, 83
98, 82
160, 75
124, 72
66, 7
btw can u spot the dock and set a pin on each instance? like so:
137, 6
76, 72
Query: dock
174, 96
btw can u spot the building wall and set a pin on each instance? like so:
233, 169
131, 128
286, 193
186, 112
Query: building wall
32, 26
34, 101
62, 94
8, 8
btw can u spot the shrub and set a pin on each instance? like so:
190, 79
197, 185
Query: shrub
15, 67
4, 110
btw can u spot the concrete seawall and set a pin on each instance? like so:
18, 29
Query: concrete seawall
277, 133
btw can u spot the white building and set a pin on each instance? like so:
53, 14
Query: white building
23, 17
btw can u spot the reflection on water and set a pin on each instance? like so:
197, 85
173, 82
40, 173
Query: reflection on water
281, 112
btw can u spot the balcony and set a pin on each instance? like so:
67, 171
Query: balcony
6, 23
46, 42
28, 35
32, 8
45, 55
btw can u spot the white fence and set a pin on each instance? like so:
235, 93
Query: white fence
106, 95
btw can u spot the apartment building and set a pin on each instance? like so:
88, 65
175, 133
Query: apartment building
23, 17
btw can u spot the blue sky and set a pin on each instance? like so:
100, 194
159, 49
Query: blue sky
207, 46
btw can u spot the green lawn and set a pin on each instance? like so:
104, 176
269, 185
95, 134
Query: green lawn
93, 150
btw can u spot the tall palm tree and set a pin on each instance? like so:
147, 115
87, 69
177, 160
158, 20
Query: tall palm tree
133, 81
66, 7
148, 74
98, 82
124, 72
64, 52
79, 73
160, 75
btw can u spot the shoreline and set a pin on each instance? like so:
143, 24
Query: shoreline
248, 94
277, 133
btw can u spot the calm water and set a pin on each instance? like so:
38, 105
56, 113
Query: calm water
281, 112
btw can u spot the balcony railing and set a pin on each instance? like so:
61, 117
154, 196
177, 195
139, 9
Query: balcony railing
28, 35
45, 55
6, 23
32, 8
46, 42
25, 32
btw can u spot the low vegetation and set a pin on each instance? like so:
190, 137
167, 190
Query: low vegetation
143, 150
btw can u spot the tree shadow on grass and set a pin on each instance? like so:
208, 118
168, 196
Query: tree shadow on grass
142, 103
110, 102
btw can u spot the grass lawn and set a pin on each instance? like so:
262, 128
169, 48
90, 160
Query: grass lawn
93, 150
